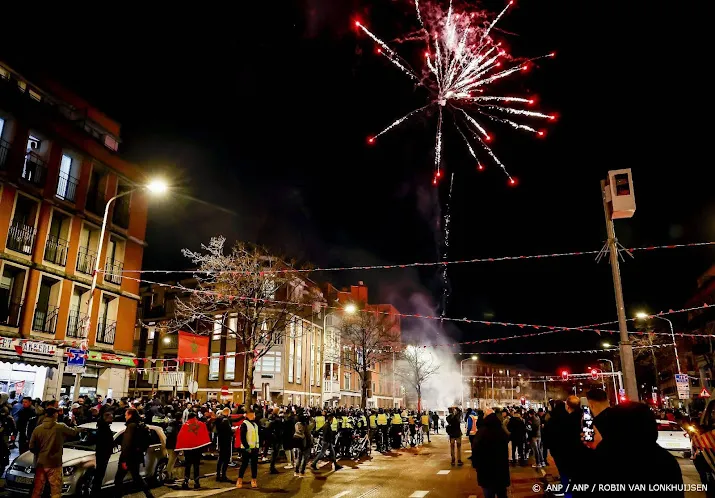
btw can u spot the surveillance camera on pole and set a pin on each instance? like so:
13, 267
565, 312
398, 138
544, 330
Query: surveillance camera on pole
619, 202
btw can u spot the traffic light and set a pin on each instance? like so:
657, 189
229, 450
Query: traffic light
622, 398
594, 373
565, 374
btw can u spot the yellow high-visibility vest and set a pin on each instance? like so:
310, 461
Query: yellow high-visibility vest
425, 419
382, 419
334, 425
319, 422
411, 420
396, 419
346, 423
473, 429
373, 421
251, 434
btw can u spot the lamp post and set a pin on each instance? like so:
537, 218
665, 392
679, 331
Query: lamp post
155, 187
349, 309
461, 375
642, 315
613, 375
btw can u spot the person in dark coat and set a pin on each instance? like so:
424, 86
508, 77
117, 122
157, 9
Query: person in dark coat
490, 457
288, 431
105, 444
275, 437
26, 413
224, 436
172, 431
132, 456
517, 435
632, 425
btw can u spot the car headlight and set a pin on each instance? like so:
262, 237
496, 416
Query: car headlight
68, 471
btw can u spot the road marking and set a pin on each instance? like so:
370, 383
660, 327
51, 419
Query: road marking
342, 493
443, 472
197, 492
419, 494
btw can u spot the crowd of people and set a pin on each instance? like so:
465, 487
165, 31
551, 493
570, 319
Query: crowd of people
499, 438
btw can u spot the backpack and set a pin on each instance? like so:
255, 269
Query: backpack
142, 437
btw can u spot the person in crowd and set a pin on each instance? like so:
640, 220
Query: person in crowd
287, 436
224, 436
192, 438
249, 449
22, 421
275, 434
472, 425
46, 443
490, 457
600, 409
172, 432
517, 437
135, 441
435, 422
328, 445
104, 447
535, 439
302, 444
425, 419
454, 431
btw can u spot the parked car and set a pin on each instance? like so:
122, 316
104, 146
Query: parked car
78, 463
673, 437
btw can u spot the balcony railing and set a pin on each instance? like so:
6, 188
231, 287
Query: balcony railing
113, 271
10, 313
45, 320
120, 217
4, 150
21, 237
106, 330
86, 260
76, 324
56, 250
67, 187
34, 170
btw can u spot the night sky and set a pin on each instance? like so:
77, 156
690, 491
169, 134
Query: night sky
265, 114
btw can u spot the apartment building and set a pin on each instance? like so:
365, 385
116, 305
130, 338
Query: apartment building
341, 385
59, 166
290, 372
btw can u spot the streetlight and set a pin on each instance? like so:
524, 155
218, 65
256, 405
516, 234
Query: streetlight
606, 345
642, 315
155, 187
613, 377
461, 375
348, 309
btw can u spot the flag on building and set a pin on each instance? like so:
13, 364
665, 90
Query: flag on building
193, 348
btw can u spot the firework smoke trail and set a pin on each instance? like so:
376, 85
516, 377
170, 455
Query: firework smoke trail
462, 58
445, 252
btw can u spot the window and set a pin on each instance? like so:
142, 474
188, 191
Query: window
312, 363
218, 328
22, 231
213, 366
291, 352
299, 360
229, 372
233, 325
115, 261
317, 368
2, 126
56, 246
12, 287
67, 180
120, 215
151, 331
46, 309
4, 73
346, 381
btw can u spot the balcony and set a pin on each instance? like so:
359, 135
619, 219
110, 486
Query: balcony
113, 271
95, 203
105, 331
45, 320
56, 250
4, 150
86, 260
67, 187
120, 217
171, 380
34, 170
21, 237
76, 324
10, 313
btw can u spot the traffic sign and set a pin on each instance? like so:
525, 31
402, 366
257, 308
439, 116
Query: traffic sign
683, 384
76, 360
704, 393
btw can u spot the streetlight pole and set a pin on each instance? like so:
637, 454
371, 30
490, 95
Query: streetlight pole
461, 377
672, 335
613, 378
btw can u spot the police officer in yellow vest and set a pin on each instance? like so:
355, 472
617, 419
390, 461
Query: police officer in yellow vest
381, 421
372, 419
345, 436
425, 425
396, 430
319, 421
249, 449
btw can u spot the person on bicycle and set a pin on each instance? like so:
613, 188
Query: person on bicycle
412, 423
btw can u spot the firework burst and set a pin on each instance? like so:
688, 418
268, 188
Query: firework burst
462, 65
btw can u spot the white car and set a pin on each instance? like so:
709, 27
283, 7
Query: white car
672, 437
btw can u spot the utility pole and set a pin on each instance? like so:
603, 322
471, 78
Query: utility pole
626, 348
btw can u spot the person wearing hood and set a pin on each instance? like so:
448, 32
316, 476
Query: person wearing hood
105, 445
632, 425
490, 457
46, 444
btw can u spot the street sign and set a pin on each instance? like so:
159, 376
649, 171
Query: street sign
621, 392
704, 393
683, 384
76, 360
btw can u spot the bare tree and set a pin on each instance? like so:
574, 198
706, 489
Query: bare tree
367, 338
251, 284
418, 366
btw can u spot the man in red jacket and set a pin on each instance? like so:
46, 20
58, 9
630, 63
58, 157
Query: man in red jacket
192, 437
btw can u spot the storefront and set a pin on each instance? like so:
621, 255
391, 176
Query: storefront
105, 374
27, 368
